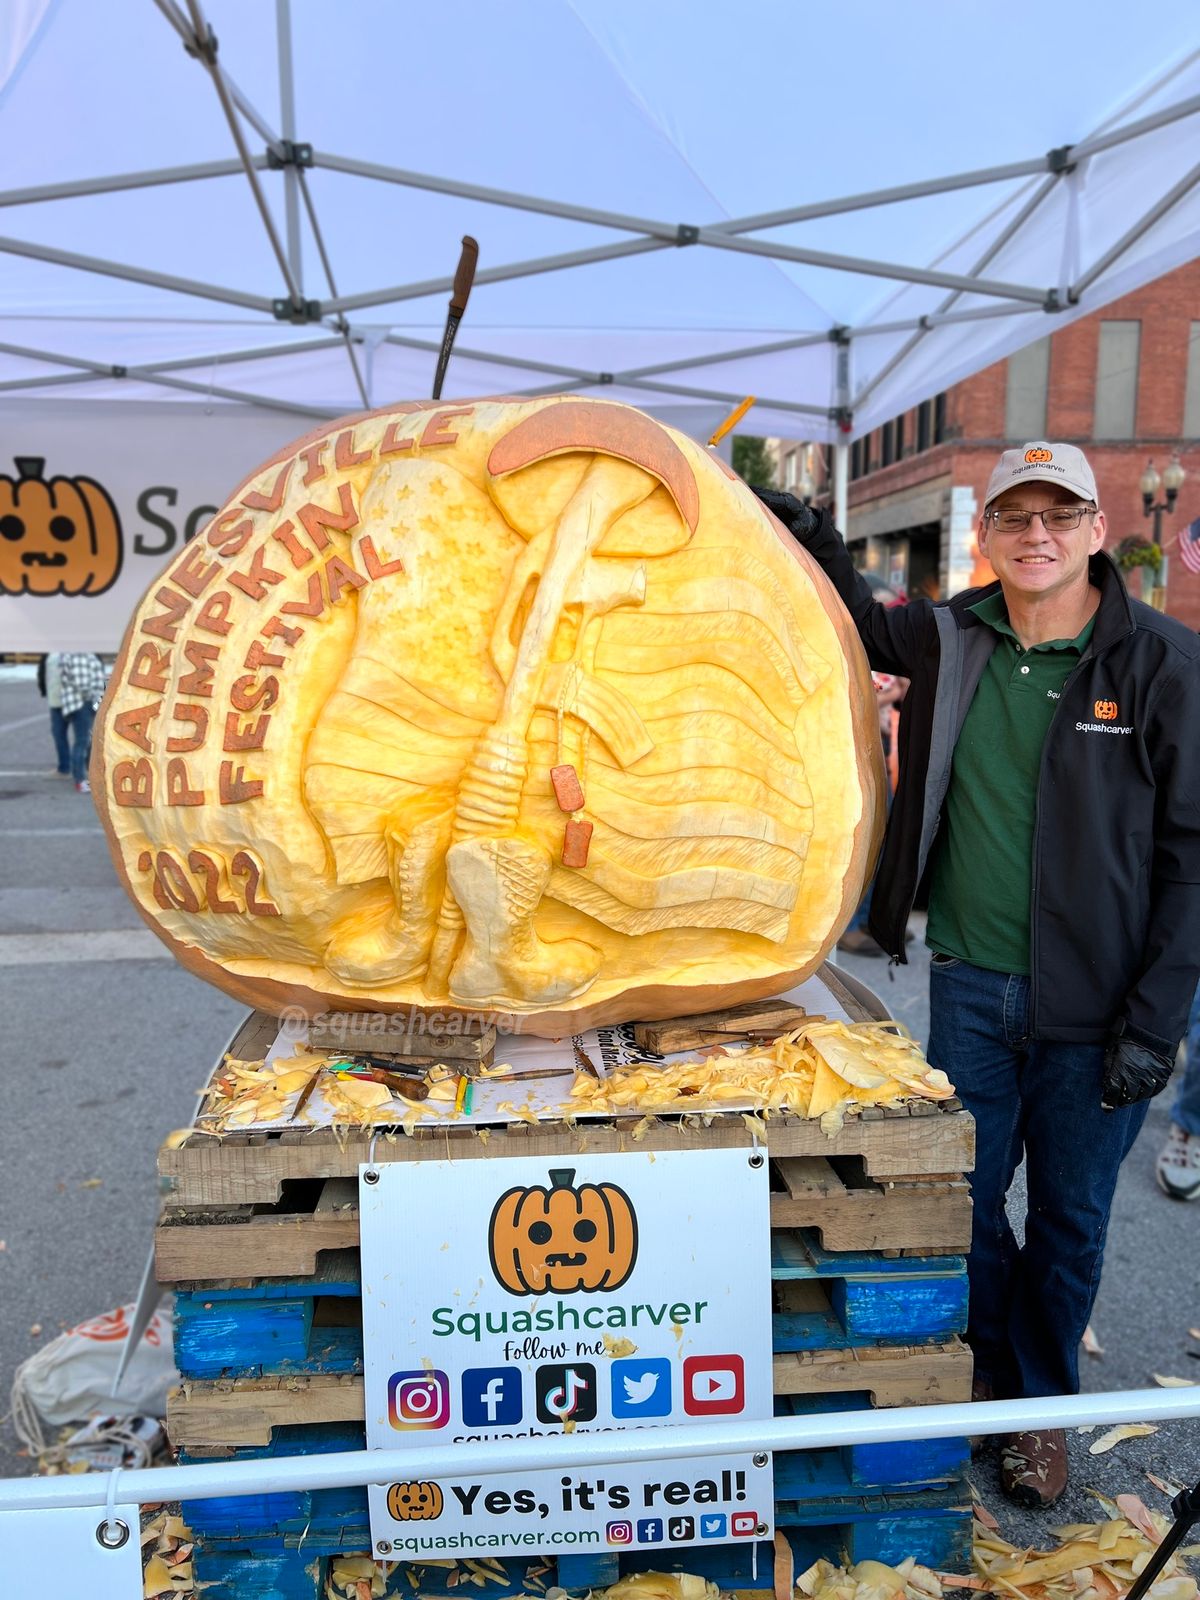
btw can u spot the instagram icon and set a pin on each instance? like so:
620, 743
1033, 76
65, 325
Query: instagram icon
418, 1399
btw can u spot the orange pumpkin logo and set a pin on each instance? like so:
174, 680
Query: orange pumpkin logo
563, 1239
1038, 454
415, 1502
1106, 710
61, 536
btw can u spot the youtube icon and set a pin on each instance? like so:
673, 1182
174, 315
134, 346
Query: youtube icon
713, 1386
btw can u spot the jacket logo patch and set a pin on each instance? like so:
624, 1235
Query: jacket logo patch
1105, 710
1039, 455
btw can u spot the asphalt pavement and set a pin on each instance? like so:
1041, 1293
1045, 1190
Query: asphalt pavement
107, 1040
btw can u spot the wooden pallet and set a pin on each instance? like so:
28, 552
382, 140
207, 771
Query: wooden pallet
245, 1411
914, 1140
918, 1474
939, 1536
313, 1324
849, 1211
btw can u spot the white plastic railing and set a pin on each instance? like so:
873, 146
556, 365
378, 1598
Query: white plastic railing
351, 1468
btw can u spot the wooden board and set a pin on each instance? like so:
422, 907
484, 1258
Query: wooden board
855, 1212
771, 1017
916, 1375
250, 1169
474, 1041
243, 1411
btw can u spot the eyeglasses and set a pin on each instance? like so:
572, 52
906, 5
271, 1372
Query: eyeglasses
1055, 519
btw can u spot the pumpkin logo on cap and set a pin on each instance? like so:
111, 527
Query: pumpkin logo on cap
563, 1239
1106, 710
415, 1502
1038, 454
61, 536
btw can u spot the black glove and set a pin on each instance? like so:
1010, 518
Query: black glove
1132, 1073
799, 520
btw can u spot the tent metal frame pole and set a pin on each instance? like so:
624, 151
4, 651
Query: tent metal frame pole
722, 395
260, 352
137, 375
885, 197
1141, 226
258, 122
1134, 130
287, 123
149, 179
521, 363
502, 274
940, 319
801, 341
51, 382
612, 252
1046, 187
205, 43
87, 372
117, 269
342, 325
510, 198
874, 269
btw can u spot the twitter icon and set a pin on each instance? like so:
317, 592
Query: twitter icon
641, 1388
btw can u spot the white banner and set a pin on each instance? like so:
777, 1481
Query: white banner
135, 482
521, 1297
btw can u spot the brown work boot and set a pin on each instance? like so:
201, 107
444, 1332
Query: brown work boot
1033, 1467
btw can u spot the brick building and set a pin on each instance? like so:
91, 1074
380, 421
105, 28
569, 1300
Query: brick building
1123, 383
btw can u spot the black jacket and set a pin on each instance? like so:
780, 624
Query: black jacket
1115, 903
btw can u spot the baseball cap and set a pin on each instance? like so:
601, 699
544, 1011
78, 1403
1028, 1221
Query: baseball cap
1039, 462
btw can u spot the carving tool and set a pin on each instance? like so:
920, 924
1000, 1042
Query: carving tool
731, 421
408, 1088
464, 277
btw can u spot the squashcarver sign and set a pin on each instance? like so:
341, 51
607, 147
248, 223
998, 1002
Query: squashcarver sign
555, 1296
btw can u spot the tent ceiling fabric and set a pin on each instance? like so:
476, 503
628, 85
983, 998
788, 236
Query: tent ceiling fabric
655, 190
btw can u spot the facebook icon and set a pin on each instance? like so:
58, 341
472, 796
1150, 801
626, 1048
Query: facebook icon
491, 1395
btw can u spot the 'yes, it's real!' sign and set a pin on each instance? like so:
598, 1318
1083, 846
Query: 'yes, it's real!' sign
517, 1298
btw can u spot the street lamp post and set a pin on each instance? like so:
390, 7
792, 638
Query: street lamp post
1171, 481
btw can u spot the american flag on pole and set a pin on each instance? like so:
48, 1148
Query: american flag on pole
1189, 546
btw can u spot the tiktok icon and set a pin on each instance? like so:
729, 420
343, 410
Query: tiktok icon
566, 1391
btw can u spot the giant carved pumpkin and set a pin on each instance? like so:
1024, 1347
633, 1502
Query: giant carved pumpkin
415, 1502
56, 537
515, 706
563, 1239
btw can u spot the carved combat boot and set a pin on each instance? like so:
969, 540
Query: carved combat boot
395, 946
499, 884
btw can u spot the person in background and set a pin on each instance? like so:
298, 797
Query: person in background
82, 677
1050, 791
1178, 1166
49, 682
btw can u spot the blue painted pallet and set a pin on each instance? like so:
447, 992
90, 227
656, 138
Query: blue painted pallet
824, 1299
313, 1324
939, 1539
336, 1519
274, 1325
872, 1466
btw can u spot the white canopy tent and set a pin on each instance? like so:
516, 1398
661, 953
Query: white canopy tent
839, 210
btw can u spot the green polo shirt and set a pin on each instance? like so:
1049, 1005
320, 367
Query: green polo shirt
980, 886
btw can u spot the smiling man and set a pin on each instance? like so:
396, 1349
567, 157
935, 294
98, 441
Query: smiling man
1049, 792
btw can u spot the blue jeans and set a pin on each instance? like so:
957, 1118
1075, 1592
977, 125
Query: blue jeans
1186, 1110
1029, 1305
79, 725
58, 730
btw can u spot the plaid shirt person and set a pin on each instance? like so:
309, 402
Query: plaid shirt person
83, 680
